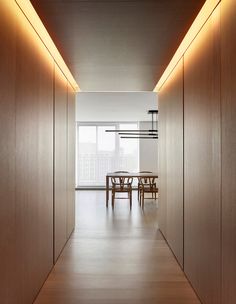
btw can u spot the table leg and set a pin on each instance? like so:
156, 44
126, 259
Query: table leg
107, 190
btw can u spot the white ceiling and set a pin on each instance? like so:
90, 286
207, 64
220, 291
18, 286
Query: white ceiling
117, 45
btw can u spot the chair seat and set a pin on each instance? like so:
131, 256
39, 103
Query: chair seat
121, 189
149, 189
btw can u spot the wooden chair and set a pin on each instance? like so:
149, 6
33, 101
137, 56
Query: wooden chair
121, 185
139, 185
147, 185
121, 172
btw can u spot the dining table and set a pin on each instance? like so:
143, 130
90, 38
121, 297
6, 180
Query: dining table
130, 174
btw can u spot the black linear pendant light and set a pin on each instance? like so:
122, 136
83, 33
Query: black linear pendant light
139, 137
118, 131
140, 134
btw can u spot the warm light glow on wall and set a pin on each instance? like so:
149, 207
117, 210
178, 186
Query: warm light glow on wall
200, 20
38, 26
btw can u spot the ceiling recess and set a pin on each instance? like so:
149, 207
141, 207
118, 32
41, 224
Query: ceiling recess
117, 45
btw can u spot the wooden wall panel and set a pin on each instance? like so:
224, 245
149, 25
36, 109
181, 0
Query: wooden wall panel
60, 163
70, 161
26, 177
8, 282
162, 164
228, 76
172, 96
27, 158
34, 160
202, 154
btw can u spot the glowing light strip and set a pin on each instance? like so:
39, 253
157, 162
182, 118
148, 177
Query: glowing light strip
198, 23
30, 13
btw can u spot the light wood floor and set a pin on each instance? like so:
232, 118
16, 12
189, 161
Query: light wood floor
116, 257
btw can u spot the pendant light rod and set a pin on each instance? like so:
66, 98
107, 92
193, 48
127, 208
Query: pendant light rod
152, 122
153, 112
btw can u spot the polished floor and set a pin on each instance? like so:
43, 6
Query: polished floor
116, 257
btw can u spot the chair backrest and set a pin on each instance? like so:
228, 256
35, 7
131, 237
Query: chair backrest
121, 181
148, 181
143, 177
118, 180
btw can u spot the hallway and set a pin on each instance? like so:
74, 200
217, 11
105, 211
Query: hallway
116, 258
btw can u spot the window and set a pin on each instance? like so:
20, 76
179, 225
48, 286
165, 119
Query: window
99, 152
106, 140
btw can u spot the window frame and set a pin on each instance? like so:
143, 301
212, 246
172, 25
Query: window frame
100, 124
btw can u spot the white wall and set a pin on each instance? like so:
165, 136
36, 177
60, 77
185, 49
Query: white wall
148, 151
118, 107
114, 106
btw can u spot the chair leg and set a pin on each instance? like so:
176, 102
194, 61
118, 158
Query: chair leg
140, 197
113, 199
143, 201
130, 193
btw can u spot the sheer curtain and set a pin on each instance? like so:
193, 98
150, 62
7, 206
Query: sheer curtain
99, 152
